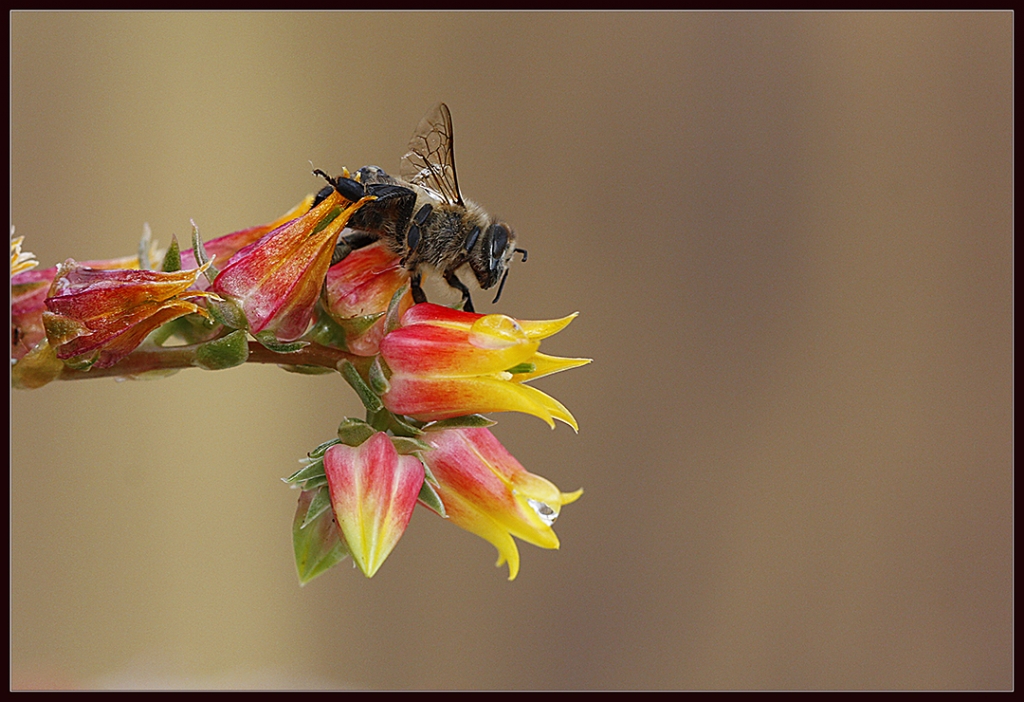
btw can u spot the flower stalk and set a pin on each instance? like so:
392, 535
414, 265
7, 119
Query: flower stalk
426, 374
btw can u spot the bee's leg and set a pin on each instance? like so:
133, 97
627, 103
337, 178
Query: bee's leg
390, 212
347, 243
453, 280
417, 292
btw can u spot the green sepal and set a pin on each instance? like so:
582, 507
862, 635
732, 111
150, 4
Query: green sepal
353, 432
228, 313
399, 425
314, 483
469, 420
378, 376
356, 326
310, 469
320, 450
199, 251
193, 328
393, 319
429, 497
407, 445
404, 426
269, 341
320, 503
304, 369
172, 259
345, 327
327, 332
370, 400
227, 352
318, 545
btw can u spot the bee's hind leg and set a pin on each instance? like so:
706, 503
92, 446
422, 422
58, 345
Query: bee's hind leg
453, 280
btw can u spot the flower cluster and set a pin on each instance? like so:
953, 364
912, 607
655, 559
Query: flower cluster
272, 294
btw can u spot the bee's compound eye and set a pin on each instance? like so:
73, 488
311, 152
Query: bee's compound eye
499, 240
471, 240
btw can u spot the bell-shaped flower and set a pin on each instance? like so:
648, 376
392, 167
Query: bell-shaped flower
224, 247
373, 493
96, 317
28, 302
29, 289
358, 291
275, 281
447, 363
486, 491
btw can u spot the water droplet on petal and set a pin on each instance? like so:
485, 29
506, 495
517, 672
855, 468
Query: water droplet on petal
544, 511
496, 331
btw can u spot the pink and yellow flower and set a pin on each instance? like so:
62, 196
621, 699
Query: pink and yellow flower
224, 247
29, 289
486, 491
373, 493
96, 317
358, 291
28, 302
447, 363
275, 281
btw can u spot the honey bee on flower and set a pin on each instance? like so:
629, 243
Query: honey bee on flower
423, 217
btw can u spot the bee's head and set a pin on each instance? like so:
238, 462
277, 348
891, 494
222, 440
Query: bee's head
490, 252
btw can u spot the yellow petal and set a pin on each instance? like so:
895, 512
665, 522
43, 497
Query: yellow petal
542, 329
551, 407
546, 365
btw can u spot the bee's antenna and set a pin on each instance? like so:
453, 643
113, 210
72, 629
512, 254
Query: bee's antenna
504, 277
318, 172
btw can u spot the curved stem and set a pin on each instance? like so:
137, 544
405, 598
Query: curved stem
149, 360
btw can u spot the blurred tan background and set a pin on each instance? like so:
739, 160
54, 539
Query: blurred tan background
790, 240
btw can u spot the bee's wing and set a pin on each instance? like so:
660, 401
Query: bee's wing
430, 162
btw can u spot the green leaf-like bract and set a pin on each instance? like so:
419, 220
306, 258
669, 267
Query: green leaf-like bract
318, 545
172, 259
369, 399
227, 352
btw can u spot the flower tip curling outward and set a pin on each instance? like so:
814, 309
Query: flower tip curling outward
95, 317
486, 491
20, 261
373, 492
276, 280
447, 363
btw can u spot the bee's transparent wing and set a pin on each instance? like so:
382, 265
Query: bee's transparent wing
430, 162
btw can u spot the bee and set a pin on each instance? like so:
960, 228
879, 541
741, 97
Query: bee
423, 217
